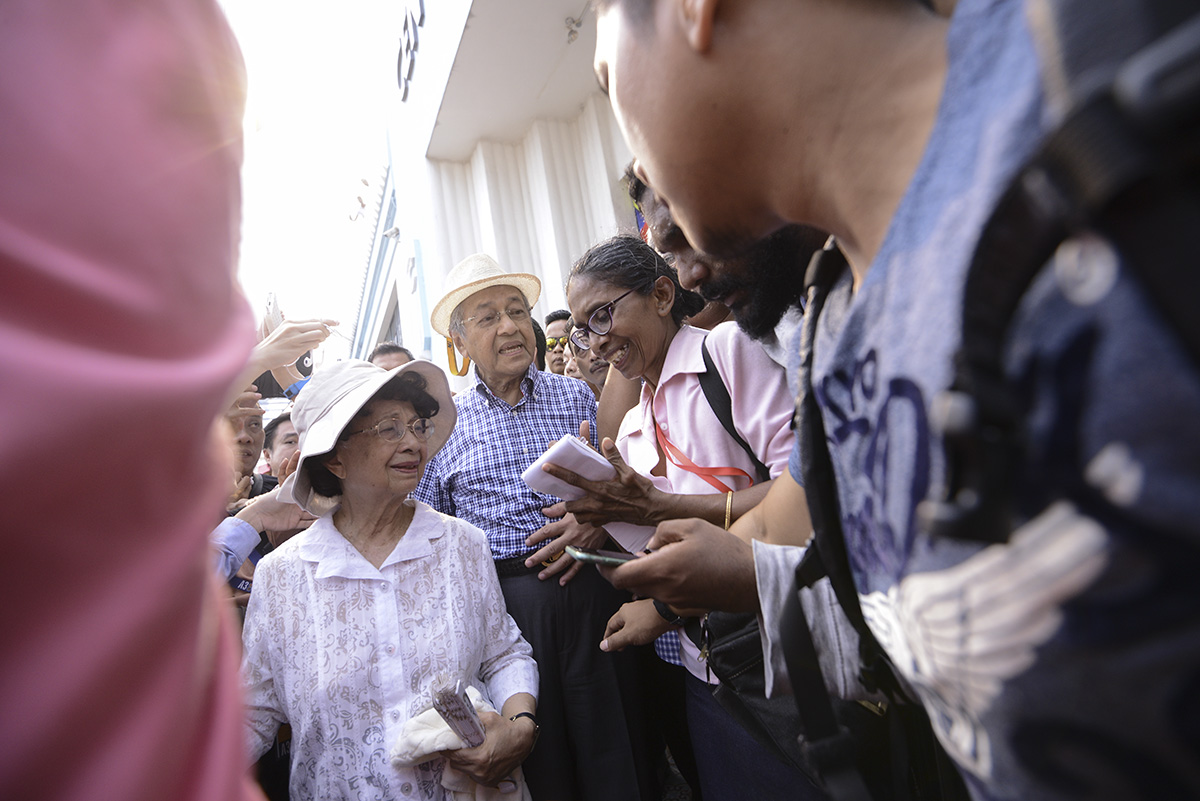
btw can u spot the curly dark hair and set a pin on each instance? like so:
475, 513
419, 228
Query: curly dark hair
408, 387
628, 262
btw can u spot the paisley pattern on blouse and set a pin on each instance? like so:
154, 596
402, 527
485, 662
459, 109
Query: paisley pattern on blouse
346, 653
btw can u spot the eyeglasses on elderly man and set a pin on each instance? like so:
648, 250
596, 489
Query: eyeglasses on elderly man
492, 318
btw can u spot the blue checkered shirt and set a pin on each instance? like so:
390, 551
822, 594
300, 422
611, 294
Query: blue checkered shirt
667, 646
476, 476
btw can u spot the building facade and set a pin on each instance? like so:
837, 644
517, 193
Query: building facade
500, 142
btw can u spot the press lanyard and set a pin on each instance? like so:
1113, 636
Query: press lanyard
680, 460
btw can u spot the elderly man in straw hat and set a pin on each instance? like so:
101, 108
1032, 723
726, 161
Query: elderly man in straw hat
506, 420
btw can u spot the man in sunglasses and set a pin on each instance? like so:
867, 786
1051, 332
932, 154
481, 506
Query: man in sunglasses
508, 417
557, 328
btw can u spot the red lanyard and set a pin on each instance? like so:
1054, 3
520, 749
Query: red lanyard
680, 460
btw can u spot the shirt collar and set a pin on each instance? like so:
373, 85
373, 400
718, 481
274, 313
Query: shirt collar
683, 356
334, 556
531, 385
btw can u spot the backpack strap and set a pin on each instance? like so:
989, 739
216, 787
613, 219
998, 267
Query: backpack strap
827, 745
828, 547
918, 765
717, 395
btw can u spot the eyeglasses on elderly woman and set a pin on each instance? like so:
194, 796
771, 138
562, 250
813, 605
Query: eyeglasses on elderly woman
599, 323
392, 430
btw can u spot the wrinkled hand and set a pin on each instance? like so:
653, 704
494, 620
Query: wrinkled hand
629, 497
240, 495
289, 467
246, 403
291, 340
563, 532
635, 623
694, 565
244, 406
506, 744
280, 519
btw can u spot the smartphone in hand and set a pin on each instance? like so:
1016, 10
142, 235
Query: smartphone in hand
598, 557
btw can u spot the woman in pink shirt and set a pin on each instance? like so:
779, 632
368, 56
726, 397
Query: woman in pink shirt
676, 460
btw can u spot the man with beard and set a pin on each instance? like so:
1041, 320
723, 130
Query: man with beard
769, 310
763, 287
1053, 663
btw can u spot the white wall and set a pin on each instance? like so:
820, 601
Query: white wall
538, 204
535, 204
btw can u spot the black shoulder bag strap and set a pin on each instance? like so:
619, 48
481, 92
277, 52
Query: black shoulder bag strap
828, 745
917, 767
717, 395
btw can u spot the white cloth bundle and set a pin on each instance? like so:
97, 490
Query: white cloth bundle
423, 736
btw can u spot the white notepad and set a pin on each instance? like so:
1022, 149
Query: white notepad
574, 455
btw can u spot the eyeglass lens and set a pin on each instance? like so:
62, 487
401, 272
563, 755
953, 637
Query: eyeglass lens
600, 323
393, 430
490, 319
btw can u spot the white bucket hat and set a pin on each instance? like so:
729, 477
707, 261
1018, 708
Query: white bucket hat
334, 395
475, 273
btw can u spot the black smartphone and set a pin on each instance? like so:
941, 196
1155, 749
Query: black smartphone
597, 557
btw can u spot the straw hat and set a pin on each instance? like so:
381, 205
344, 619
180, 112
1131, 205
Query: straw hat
334, 395
473, 274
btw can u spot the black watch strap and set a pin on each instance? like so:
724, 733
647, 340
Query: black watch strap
667, 613
536, 727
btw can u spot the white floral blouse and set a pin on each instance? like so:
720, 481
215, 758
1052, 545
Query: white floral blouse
346, 653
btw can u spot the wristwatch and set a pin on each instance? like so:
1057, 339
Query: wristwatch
536, 728
667, 613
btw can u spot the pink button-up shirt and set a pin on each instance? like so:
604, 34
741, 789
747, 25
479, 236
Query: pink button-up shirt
762, 408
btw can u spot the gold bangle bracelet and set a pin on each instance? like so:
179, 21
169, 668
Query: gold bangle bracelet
728, 508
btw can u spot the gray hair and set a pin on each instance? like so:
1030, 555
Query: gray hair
457, 324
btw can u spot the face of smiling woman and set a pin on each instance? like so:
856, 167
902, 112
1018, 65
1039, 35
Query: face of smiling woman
642, 327
367, 464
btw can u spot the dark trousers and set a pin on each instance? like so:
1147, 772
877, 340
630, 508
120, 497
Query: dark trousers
592, 745
667, 701
733, 765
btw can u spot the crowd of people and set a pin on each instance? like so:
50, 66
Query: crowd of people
777, 609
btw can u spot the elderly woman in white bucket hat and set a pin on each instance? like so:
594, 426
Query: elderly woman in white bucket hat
356, 622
